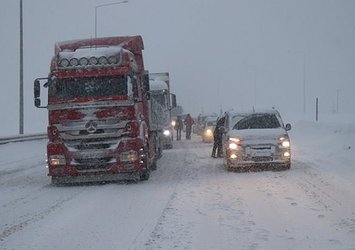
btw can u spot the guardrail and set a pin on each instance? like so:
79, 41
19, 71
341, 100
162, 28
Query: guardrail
21, 138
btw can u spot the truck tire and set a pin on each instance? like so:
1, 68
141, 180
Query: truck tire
145, 175
154, 165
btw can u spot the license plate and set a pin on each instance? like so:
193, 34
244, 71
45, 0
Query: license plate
264, 152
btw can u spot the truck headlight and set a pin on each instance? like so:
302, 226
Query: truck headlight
57, 160
130, 156
166, 132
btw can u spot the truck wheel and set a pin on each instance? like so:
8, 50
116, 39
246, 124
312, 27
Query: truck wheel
145, 175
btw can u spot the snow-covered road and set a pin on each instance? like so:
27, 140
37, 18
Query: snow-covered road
190, 202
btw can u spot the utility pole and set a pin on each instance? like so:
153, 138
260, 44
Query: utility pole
338, 90
21, 72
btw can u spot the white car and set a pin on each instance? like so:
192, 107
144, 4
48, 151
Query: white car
256, 140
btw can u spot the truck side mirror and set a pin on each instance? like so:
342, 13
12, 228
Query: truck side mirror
37, 89
37, 93
173, 101
146, 87
37, 102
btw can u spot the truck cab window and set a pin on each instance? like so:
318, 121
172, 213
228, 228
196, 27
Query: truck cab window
88, 87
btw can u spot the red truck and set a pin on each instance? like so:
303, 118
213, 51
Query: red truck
98, 111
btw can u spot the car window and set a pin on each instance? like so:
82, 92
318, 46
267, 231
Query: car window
258, 121
232, 120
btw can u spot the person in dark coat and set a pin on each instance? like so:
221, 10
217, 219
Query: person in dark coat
188, 123
217, 138
178, 126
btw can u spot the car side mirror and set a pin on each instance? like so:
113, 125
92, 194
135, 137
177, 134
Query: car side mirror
288, 127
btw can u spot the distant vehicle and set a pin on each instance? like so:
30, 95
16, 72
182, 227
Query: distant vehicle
208, 128
162, 101
201, 120
256, 139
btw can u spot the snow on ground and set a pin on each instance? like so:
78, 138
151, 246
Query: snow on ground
191, 201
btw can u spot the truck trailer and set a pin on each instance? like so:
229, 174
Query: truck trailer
99, 117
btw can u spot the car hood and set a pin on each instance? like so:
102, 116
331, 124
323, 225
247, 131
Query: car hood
258, 136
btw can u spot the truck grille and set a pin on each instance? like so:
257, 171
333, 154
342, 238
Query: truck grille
92, 147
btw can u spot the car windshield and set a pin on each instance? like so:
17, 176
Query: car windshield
258, 121
89, 87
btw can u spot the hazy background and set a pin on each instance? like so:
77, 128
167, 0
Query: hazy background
220, 53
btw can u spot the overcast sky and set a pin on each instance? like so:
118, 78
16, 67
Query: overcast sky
219, 53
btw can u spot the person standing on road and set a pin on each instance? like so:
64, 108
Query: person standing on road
217, 139
188, 123
178, 126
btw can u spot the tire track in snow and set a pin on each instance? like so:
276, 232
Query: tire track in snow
14, 228
177, 236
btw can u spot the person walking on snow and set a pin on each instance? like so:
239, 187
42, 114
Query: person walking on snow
178, 126
188, 123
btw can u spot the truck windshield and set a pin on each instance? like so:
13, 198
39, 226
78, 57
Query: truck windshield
160, 99
89, 87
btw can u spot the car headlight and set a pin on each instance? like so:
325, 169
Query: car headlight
235, 140
233, 143
166, 132
233, 156
285, 144
208, 132
233, 146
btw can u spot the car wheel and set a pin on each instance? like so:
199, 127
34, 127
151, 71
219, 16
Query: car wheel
287, 166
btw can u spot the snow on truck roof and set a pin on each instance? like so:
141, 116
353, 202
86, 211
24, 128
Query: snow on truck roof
89, 52
132, 43
159, 76
158, 85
